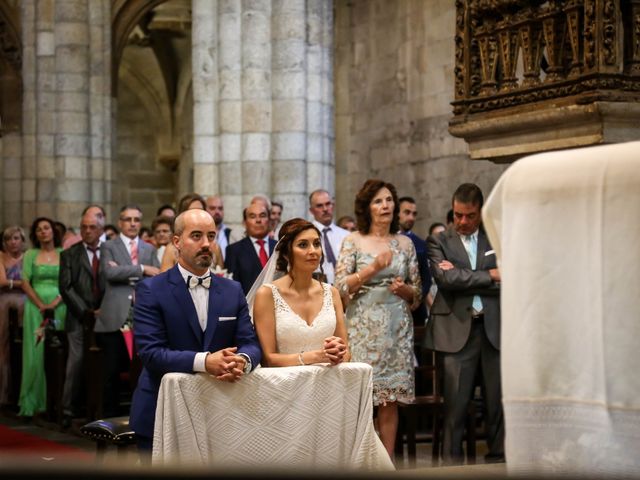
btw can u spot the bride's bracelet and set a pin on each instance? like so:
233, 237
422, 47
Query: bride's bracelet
300, 359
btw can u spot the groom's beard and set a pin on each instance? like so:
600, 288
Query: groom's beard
204, 258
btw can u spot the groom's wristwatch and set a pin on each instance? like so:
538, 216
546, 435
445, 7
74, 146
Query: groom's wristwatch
247, 364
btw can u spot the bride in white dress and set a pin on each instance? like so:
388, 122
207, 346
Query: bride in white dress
298, 319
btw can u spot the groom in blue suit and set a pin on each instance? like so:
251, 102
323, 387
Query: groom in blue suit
187, 320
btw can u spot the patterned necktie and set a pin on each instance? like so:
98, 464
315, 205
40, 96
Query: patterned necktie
262, 254
331, 258
471, 246
95, 268
193, 282
134, 252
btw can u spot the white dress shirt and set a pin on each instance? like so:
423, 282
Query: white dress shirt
127, 244
200, 297
90, 254
254, 241
336, 236
221, 239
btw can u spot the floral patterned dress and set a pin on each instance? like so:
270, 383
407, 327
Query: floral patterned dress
379, 323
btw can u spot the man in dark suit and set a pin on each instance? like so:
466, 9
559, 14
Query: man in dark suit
125, 260
246, 258
407, 216
188, 320
82, 288
465, 322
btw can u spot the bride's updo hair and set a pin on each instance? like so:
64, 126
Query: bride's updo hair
288, 232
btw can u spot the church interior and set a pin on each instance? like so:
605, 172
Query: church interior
117, 102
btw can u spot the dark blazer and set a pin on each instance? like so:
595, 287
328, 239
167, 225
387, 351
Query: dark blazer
168, 334
420, 313
76, 284
450, 317
242, 260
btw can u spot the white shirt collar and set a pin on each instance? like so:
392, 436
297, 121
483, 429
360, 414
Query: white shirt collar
186, 273
321, 226
474, 235
126, 240
86, 246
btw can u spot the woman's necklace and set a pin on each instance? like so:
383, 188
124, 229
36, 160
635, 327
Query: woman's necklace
49, 255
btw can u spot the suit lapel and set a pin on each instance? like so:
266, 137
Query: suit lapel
83, 258
183, 298
251, 253
483, 246
455, 243
122, 250
215, 299
144, 255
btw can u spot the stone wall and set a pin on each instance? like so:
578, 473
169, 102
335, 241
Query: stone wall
139, 178
393, 87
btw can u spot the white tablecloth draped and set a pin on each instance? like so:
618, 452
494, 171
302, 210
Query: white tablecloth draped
566, 229
311, 416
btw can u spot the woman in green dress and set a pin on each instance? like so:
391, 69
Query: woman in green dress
40, 269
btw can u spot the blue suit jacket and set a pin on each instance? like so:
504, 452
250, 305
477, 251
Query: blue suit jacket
168, 334
420, 313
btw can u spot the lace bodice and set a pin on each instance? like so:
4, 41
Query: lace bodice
293, 334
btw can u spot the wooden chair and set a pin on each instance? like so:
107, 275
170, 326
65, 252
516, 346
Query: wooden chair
15, 355
429, 404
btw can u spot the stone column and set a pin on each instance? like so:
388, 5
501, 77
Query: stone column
11, 155
67, 107
263, 69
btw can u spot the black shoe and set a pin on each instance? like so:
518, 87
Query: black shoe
493, 458
66, 422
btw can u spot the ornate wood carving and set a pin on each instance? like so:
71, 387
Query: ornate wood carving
574, 44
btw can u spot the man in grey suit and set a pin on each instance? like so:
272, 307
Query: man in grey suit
465, 322
125, 260
81, 287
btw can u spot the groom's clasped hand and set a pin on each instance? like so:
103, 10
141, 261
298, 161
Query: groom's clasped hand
225, 365
334, 349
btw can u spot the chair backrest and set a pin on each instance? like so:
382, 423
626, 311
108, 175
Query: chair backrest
429, 368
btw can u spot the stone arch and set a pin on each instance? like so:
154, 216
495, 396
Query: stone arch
152, 73
125, 15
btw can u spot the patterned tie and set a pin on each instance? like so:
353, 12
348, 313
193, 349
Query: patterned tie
472, 251
134, 252
193, 282
262, 253
331, 258
95, 268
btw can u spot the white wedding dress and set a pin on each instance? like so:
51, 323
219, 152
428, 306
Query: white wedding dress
293, 333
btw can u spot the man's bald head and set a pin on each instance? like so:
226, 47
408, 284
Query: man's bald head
187, 217
194, 237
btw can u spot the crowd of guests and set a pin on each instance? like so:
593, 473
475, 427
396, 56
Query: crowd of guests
364, 281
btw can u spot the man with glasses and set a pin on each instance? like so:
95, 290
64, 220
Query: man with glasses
321, 207
124, 261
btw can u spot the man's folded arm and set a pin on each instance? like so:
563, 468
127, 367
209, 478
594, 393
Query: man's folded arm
454, 279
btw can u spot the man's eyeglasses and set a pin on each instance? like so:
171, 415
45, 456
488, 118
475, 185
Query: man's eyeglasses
131, 219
